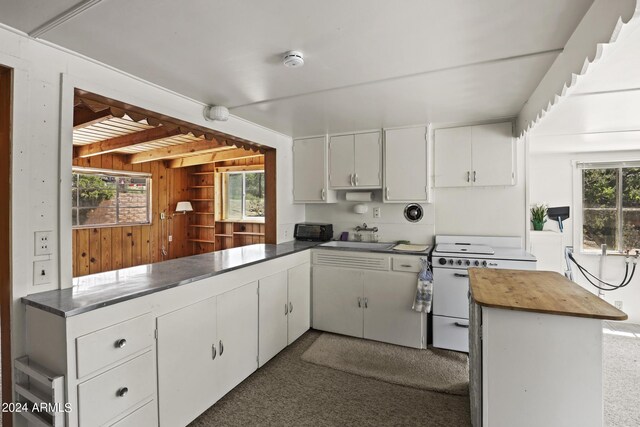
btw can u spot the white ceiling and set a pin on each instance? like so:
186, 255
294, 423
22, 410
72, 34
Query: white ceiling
602, 111
369, 63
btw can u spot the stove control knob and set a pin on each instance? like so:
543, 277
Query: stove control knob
476, 263
459, 262
442, 261
467, 262
484, 263
451, 262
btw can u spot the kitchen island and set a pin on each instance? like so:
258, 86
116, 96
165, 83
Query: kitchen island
161, 343
535, 349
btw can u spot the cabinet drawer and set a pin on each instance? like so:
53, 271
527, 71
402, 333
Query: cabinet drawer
408, 264
109, 345
99, 398
451, 333
146, 416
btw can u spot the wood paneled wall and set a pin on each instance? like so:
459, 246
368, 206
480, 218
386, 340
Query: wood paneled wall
109, 248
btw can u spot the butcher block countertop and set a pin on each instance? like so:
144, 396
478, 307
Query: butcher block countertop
537, 291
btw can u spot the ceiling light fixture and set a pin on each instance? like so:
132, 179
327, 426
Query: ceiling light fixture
216, 112
293, 59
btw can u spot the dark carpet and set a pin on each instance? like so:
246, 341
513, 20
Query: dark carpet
288, 391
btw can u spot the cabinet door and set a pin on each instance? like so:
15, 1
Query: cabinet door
309, 170
341, 156
492, 154
299, 282
273, 309
452, 157
368, 155
187, 367
337, 300
405, 166
237, 335
388, 316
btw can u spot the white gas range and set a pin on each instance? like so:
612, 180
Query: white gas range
450, 259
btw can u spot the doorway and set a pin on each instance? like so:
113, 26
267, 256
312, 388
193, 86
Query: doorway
5, 243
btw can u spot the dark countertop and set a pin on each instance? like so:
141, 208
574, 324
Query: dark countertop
537, 291
103, 289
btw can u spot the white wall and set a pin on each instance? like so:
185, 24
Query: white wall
39, 146
551, 181
489, 211
392, 225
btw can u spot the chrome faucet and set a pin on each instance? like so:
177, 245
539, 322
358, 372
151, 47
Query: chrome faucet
366, 228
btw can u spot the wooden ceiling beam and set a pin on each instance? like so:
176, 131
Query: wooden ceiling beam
119, 142
219, 156
83, 117
118, 106
173, 151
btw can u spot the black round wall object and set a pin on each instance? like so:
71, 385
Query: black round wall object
413, 212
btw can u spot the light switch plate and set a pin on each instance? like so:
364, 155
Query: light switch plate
43, 243
42, 272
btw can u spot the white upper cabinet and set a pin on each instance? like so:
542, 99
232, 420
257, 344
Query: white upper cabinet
310, 171
481, 155
406, 165
355, 161
453, 157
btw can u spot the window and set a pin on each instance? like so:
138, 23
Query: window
110, 198
610, 206
245, 195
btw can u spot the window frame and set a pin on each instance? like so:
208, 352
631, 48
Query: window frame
578, 197
244, 196
117, 174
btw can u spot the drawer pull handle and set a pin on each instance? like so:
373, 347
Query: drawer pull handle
461, 325
290, 307
213, 352
460, 275
366, 303
359, 302
122, 391
221, 347
405, 265
286, 309
120, 343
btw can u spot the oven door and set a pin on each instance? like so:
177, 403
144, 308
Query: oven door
450, 292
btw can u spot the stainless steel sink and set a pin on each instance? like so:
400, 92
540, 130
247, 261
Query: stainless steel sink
359, 245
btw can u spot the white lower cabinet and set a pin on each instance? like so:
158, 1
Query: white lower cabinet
237, 335
204, 350
388, 316
337, 300
273, 309
187, 348
284, 309
299, 291
365, 303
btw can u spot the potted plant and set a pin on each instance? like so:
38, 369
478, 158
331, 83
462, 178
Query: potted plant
538, 216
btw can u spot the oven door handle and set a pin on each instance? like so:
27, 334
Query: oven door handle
460, 275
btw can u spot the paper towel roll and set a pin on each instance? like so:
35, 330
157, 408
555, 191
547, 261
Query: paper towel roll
359, 196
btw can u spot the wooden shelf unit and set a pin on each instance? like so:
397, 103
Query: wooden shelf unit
202, 222
231, 234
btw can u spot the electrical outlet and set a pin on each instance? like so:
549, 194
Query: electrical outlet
43, 243
376, 212
170, 238
41, 272
162, 215
286, 233
618, 305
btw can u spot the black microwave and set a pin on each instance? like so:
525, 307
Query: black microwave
313, 232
